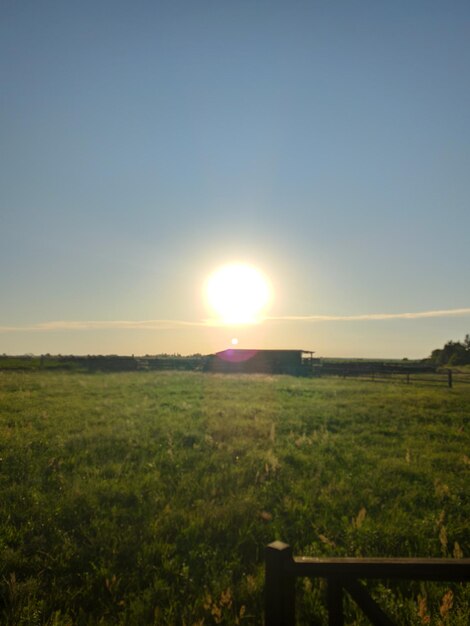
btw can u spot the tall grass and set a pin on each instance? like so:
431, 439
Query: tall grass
148, 498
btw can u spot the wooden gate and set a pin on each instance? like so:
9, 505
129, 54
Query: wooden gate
344, 574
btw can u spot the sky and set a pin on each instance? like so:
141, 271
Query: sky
145, 144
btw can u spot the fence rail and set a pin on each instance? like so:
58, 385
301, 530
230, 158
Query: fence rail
383, 372
344, 574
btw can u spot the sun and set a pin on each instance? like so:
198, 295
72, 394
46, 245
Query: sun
238, 294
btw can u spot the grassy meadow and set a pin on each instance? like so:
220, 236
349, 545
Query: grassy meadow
148, 498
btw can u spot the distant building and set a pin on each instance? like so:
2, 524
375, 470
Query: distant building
293, 362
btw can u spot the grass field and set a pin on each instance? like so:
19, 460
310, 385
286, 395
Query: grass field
148, 498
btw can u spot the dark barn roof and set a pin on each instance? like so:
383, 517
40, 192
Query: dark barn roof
257, 361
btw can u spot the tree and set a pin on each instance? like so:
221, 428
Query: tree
453, 353
466, 342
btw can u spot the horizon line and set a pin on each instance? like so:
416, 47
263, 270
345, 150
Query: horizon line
166, 324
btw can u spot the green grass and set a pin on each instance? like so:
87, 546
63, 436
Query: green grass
148, 498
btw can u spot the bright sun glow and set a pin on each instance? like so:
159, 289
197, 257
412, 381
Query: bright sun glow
238, 294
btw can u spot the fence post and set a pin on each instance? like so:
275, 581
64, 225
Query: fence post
334, 600
279, 586
449, 378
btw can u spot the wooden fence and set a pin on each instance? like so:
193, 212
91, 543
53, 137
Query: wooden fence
398, 373
344, 574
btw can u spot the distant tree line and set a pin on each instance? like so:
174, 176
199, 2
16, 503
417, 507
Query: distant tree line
453, 353
101, 363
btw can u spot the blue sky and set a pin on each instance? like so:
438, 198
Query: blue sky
144, 144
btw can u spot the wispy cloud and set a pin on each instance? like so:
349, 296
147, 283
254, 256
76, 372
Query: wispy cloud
157, 325
102, 325
372, 316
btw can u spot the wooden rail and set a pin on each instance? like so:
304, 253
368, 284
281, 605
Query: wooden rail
381, 371
345, 574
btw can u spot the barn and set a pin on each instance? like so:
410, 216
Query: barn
293, 362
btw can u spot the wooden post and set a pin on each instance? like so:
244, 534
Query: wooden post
279, 586
334, 600
449, 378
408, 378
